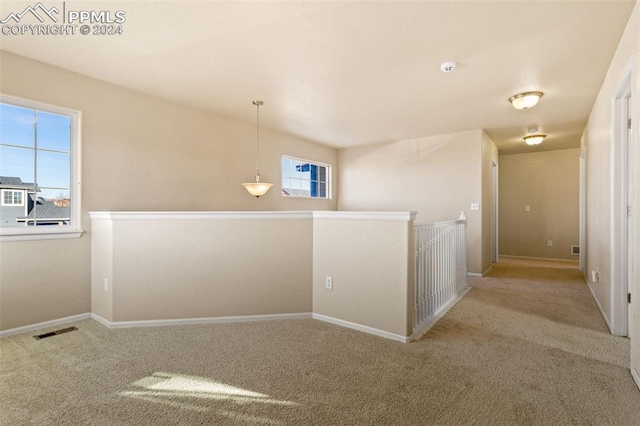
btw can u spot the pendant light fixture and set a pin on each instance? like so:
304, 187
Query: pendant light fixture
525, 100
257, 188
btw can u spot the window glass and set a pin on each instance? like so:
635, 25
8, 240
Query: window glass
304, 178
16, 125
36, 165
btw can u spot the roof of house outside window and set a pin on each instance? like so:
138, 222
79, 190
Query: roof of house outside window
9, 182
48, 210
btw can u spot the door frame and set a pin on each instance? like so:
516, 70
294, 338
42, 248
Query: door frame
582, 219
494, 212
620, 241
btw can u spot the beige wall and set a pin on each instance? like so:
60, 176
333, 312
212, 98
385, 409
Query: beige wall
597, 143
436, 176
138, 153
548, 182
43, 281
267, 263
203, 268
372, 275
102, 268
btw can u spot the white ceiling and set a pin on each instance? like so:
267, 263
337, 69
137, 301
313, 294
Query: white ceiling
352, 73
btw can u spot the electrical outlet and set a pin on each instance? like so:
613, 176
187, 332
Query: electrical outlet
328, 283
527, 208
549, 243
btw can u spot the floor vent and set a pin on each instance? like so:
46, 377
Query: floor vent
575, 250
54, 333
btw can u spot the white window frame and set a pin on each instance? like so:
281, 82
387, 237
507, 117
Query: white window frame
316, 163
12, 204
74, 229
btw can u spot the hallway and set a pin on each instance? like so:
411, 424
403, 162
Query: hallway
533, 335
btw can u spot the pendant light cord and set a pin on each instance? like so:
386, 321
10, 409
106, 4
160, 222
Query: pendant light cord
257, 104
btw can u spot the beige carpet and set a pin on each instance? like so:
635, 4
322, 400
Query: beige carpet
525, 346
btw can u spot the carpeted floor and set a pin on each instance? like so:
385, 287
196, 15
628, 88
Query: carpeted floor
526, 345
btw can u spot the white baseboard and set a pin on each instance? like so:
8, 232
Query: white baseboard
636, 377
40, 325
593, 294
360, 327
100, 319
538, 258
194, 321
426, 326
475, 274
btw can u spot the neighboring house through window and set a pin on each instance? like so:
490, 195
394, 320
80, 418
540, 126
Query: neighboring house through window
39, 170
304, 178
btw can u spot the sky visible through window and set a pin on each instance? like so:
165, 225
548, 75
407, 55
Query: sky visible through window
294, 178
26, 133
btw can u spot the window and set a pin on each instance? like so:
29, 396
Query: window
12, 198
303, 178
39, 171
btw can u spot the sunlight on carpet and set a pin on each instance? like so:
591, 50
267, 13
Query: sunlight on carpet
176, 390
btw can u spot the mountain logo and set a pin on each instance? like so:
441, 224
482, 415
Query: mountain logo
38, 11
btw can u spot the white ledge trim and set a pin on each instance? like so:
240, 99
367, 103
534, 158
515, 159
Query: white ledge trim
8, 235
255, 215
342, 215
247, 215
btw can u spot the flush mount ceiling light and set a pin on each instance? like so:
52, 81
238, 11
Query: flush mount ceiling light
257, 188
525, 100
534, 139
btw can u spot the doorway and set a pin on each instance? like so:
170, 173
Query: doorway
622, 226
494, 212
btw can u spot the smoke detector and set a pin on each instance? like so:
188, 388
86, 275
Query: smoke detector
448, 67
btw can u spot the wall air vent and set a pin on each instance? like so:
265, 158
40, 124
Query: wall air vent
575, 250
54, 333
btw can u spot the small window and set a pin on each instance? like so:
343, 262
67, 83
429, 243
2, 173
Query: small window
12, 198
39, 171
303, 178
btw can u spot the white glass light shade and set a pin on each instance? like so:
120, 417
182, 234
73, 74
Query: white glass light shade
534, 139
525, 100
257, 189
